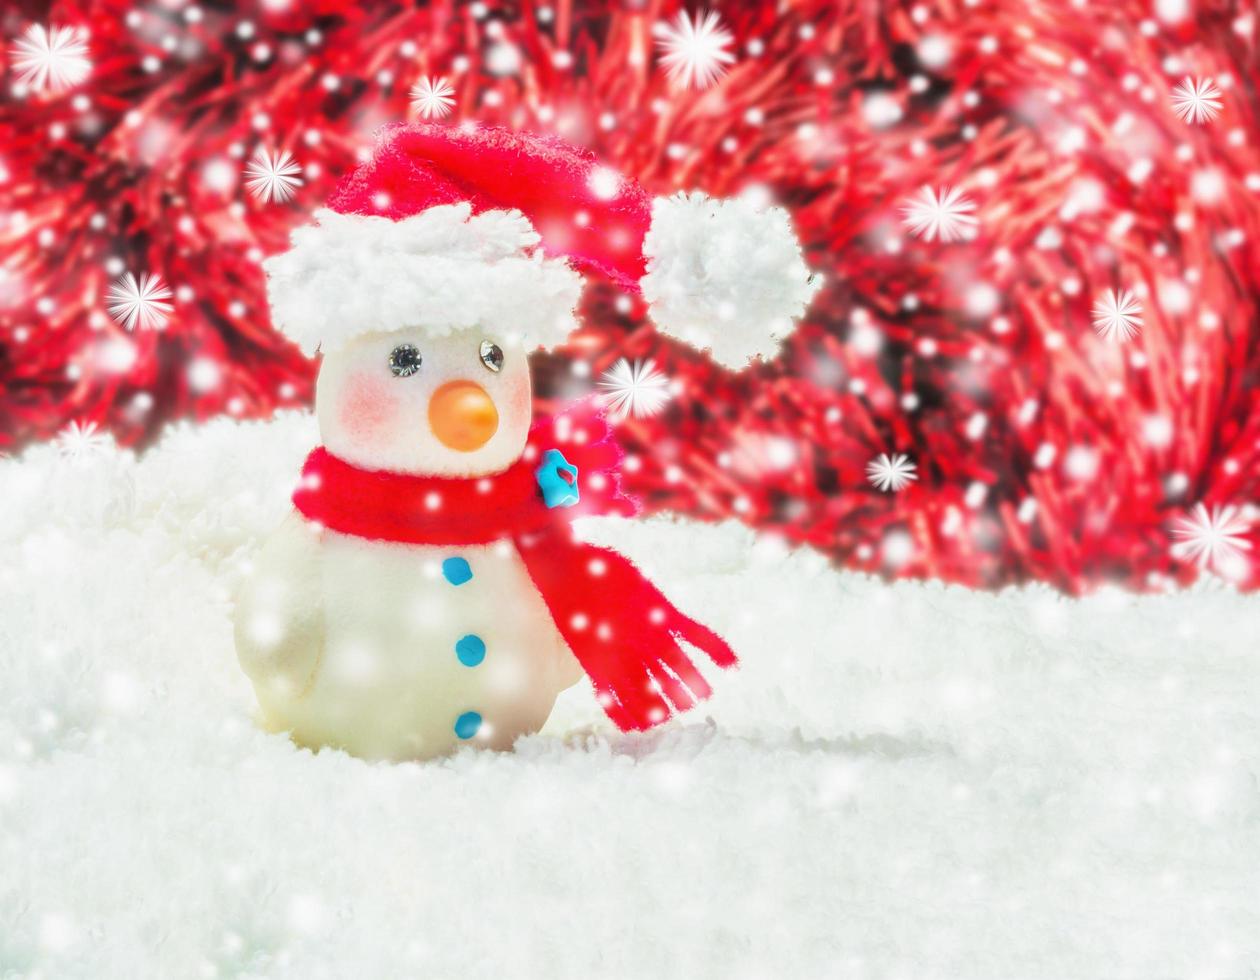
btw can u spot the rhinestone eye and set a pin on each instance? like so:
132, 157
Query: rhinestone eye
491, 356
404, 360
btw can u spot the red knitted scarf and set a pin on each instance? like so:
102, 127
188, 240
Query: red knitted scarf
622, 630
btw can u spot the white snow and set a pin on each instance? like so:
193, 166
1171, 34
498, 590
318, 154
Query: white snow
902, 781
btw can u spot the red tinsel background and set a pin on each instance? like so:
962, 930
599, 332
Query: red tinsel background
1042, 449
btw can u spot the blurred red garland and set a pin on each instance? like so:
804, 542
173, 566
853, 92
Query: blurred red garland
1042, 449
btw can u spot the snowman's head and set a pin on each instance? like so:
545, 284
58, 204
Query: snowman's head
446, 227
409, 402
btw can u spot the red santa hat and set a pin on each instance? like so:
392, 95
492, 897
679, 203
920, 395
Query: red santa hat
450, 227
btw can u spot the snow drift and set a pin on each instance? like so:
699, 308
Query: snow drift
902, 780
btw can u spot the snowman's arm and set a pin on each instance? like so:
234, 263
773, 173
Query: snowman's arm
568, 670
279, 618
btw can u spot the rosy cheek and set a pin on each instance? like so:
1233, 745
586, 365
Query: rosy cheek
367, 406
517, 397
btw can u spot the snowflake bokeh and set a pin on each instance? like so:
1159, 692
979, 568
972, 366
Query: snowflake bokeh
1117, 315
695, 49
1215, 538
637, 389
432, 98
944, 214
140, 303
273, 176
1196, 100
53, 57
891, 473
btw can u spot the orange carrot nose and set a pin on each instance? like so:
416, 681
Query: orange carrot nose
463, 416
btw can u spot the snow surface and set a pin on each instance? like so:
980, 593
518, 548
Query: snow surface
903, 780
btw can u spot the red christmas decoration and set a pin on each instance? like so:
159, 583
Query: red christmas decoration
1107, 153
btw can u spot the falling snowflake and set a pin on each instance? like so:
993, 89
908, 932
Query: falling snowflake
636, 389
1196, 100
891, 472
272, 176
432, 97
1213, 538
81, 440
695, 52
52, 58
141, 303
1117, 316
942, 214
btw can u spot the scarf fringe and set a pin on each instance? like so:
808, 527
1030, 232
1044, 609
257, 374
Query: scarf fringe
623, 630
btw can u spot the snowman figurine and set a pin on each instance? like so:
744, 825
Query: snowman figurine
427, 591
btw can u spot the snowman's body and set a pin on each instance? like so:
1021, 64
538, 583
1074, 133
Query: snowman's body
405, 651
407, 657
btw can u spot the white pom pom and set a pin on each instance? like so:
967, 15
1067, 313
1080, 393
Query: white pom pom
726, 275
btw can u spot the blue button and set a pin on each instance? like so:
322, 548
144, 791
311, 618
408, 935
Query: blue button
456, 571
466, 725
471, 650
